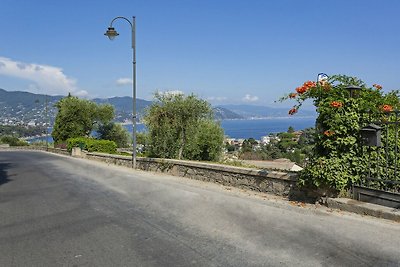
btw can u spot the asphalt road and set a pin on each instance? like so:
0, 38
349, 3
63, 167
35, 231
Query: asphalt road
60, 211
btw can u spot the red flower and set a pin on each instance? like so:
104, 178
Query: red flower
329, 133
387, 108
292, 95
336, 104
307, 85
377, 86
301, 90
292, 111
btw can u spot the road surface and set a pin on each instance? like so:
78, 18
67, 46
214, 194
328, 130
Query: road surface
61, 211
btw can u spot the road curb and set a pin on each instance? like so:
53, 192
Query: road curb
364, 208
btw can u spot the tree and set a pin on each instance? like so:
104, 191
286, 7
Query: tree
114, 132
12, 141
287, 142
290, 129
174, 121
79, 117
248, 145
207, 141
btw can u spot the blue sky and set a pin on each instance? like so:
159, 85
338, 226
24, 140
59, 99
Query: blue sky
234, 52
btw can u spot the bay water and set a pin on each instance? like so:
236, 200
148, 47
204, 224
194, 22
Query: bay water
254, 128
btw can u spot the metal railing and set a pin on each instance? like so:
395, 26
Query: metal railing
380, 181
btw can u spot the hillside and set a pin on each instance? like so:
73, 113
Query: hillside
24, 107
221, 113
18, 107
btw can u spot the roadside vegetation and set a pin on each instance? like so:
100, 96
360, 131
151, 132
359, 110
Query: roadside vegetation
179, 127
182, 127
12, 141
293, 145
338, 155
77, 119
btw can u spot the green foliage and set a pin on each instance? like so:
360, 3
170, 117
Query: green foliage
288, 141
79, 117
12, 141
338, 156
181, 127
104, 146
248, 145
114, 132
206, 142
77, 142
92, 145
229, 147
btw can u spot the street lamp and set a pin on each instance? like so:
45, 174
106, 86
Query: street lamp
321, 77
111, 33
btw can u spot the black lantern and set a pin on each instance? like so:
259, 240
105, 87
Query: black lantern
371, 135
353, 89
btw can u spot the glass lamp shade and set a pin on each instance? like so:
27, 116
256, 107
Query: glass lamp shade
111, 33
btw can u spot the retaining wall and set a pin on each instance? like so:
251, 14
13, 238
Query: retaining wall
278, 183
40, 148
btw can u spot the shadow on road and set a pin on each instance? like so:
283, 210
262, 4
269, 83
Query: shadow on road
4, 178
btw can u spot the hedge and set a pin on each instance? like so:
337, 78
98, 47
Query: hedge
92, 145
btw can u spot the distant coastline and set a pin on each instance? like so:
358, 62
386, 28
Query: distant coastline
269, 118
242, 128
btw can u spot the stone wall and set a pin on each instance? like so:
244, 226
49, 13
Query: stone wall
278, 183
40, 148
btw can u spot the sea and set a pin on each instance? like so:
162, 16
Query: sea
249, 128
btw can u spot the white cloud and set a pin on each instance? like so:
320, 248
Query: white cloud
45, 78
217, 98
250, 98
124, 81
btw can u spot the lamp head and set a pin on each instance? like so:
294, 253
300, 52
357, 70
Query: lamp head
322, 77
111, 33
353, 89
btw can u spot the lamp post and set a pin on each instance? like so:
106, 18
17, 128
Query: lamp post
46, 123
111, 33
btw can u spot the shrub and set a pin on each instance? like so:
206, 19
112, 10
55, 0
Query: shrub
114, 132
104, 146
92, 145
13, 141
77, 142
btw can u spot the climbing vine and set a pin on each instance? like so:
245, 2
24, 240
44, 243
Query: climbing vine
338, 156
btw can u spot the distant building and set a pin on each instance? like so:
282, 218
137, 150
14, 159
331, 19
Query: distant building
268, 139
265, 140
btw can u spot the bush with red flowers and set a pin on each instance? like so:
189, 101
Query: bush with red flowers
338, 157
